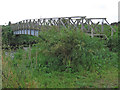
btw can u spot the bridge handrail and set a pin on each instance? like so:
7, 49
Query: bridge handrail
74, 21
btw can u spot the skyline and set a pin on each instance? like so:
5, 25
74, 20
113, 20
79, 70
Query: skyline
16, 11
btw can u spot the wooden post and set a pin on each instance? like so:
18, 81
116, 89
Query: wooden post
68, 21
43, 23
55, 23
58, 23
75, 26
71, 23
27, 26
62, 23
47, 24
88, 25
102, 25
112, 33
21, 27
92, 34
111, 28
82, 24
40, 24
34, 32
78, 21
33, 26
18, 26
36, 26
50, 21
24, 27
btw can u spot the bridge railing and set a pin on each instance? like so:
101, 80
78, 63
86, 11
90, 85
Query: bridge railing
33, 26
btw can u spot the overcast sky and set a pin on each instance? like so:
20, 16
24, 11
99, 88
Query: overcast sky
17, 10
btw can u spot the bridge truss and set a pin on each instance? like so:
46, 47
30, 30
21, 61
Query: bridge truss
91, 26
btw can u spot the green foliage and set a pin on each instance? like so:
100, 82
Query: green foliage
112, 42
7, 35
74, 50
65, 58
70, 51
13, 41
22, 76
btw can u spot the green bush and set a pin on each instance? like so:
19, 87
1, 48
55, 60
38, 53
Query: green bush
13, 41
112, 42
7, 35
72, 50
68, 50
56, 54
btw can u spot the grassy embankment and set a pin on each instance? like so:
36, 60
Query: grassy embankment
63, 59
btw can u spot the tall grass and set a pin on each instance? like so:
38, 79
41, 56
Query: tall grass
65, 50
65, 53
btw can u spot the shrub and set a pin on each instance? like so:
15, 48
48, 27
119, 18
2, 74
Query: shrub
73, 49
112, 42
68, 50
14, 41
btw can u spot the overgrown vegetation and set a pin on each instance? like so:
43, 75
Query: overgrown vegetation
11, 41
113, 42
62, 59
